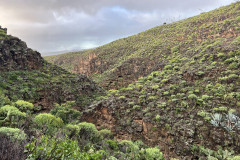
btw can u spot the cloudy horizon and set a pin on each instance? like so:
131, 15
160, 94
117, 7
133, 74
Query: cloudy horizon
50, 26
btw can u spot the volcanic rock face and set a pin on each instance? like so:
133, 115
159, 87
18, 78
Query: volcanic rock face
15, 55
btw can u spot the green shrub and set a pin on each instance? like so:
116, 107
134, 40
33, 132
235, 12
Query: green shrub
66, 113
13, 133
220, 109
11, 114
88, 131
228, 61
157, 117
137, 107
48, 120
24, 106
131, 103
153, 154
3, 99
129, 146
233, 65
155, 87
105, 134
72, 130
122, 97
193, 97
205, 97
175, 49
53, 148
223, 56
205, 115
232, 77
112, 144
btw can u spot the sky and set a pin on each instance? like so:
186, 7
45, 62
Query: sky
53, 26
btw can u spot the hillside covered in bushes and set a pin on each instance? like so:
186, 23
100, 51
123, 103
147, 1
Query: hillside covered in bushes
122, 62
41, 109
171, 92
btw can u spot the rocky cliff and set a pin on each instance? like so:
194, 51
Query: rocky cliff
15, 55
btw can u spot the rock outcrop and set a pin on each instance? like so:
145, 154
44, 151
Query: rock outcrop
15, 55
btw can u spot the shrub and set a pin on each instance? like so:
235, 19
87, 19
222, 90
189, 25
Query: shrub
205, 115
53, 148
11, 114
112, 144
122, 97
232, 76
153, 154
205, 97
175, 49
72, 130
233, 65
222, 56
3, 99
128, 146
48, 121
88, 131
192, 97
157, 117
24, 106
229, 60
155, 87
105, 134
220, 109
137, 107
13, 133
66, 113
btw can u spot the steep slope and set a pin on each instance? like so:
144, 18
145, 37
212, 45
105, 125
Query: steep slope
190, 107
121, 62
15, 55
24, 74
27, 131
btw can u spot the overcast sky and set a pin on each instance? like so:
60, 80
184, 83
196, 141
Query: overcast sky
61, 25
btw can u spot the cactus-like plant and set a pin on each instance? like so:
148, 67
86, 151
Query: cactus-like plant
216, 119
229, 122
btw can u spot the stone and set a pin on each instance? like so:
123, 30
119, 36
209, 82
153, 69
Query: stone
15, 55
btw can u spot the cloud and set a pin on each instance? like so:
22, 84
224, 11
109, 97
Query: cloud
52, 25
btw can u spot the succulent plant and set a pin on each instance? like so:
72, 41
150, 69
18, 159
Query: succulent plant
230, 122
216, 119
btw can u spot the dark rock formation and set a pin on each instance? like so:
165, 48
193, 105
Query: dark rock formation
15, 55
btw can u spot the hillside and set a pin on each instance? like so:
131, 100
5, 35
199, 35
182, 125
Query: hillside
41, 107
184, 85
121, 62
174, 93
24, 74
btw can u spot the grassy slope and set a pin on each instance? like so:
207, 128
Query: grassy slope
130, 58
